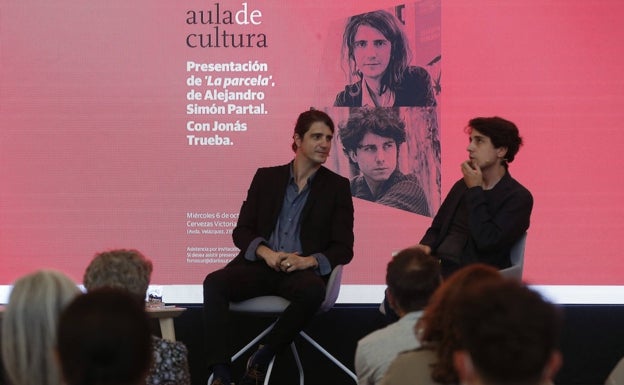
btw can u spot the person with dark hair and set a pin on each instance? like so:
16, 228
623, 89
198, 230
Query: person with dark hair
130, 270
487, 210
104, 339
412, 276
509, 335
371, 139
294, 227
437, 332
376, 51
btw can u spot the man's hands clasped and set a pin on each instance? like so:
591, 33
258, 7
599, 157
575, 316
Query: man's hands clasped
286, 262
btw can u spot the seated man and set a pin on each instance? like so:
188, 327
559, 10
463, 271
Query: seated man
371, 139
294, 227
508, 336
412, 276
487, 210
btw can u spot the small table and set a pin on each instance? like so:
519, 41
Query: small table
165, 316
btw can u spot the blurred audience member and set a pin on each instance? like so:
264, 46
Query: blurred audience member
509, 335
104, 339
616, 377
438, 333
412, 276
29, 327
131, 271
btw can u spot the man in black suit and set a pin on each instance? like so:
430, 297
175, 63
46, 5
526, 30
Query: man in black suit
487, 210
294, 227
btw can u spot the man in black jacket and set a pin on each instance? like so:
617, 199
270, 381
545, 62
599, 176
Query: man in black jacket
294, 227
487, 210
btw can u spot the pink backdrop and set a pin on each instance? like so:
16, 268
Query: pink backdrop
94, 151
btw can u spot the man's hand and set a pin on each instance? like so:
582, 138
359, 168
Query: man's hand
270, 257
293, 262
472, 174
286, 262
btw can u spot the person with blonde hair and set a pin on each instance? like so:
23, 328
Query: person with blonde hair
131, 271
29, 327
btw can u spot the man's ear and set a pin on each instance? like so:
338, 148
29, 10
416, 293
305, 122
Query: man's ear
463, 366
391, 300
353, 156
297, 139
553, 365
501, 152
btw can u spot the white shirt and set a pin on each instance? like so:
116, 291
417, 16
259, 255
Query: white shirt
384, 100
377, 350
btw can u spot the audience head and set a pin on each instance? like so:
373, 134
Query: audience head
509, 335
104, 339
439, 328
412, 276
125, 269
29, 327
502, 133
305, 121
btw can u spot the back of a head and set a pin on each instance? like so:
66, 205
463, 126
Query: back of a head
121, 268
509, 331
438, 327
104, 339
29, 327
437, 320
412, 276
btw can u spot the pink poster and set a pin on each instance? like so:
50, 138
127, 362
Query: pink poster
140, 125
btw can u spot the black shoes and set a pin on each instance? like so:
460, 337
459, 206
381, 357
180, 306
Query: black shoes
219, 381
221, 374
257, 366
253, 376
255, 372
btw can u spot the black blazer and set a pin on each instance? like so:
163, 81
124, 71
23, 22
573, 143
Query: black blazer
495, 223
326, 219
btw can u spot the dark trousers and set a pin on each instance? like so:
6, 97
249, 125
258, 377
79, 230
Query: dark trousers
448, 266
304, 289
